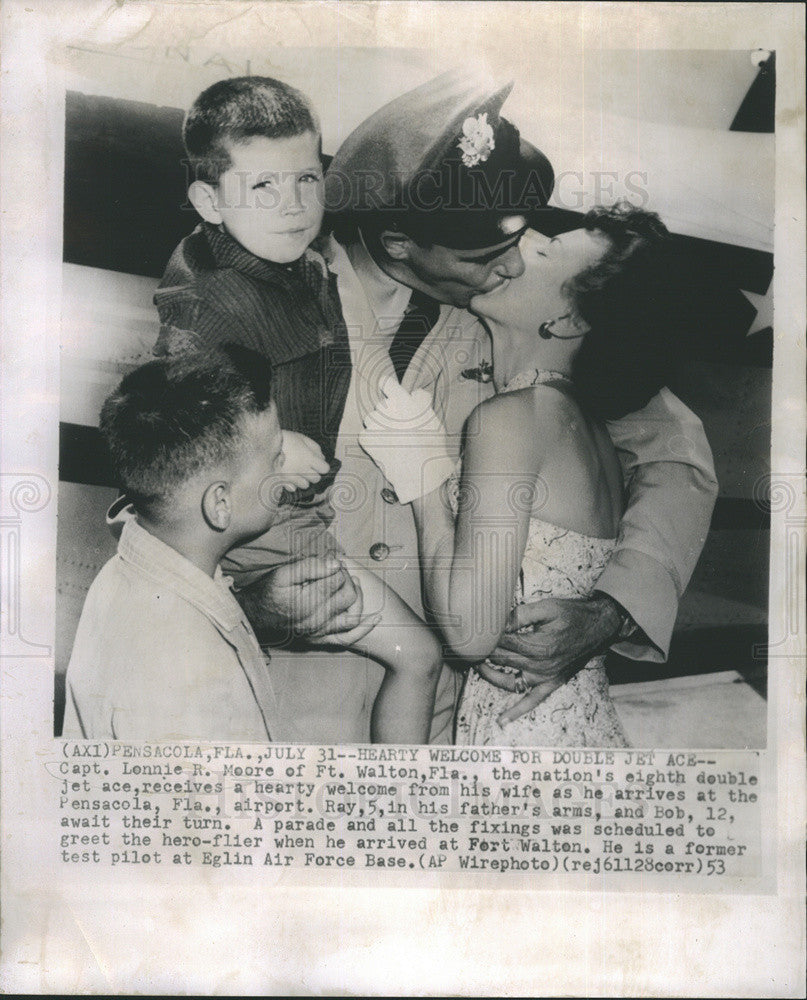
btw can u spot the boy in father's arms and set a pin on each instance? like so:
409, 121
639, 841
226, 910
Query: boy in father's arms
163, 650
250, 274
247, 274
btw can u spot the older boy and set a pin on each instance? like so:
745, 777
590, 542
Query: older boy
163, 650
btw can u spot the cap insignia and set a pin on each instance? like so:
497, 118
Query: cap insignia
477, 140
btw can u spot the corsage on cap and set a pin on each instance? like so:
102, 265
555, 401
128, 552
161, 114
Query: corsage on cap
442, 159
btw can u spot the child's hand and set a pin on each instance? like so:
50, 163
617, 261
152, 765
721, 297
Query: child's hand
303, 463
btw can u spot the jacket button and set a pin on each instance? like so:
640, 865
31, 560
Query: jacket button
388, 495
381, 550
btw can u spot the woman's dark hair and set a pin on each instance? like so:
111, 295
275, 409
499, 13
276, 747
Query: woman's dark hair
631, 300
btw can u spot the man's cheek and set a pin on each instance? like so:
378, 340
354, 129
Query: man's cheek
485, 278
483, 283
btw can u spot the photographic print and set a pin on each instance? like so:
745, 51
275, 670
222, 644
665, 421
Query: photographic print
407, 497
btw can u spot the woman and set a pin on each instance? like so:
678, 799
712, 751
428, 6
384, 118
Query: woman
582, 337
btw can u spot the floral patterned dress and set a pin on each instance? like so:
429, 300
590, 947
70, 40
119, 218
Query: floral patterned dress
557, 563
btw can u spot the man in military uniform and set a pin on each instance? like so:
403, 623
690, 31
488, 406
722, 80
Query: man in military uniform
431, 196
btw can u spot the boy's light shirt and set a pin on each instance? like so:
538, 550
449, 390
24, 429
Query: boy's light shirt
165, 652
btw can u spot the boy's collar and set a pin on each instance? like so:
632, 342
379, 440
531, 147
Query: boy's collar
167, 567
228, 252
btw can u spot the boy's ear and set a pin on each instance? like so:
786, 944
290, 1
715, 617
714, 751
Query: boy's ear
396, 245
216, 506
205, 199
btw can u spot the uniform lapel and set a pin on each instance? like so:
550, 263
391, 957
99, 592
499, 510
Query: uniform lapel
369, 349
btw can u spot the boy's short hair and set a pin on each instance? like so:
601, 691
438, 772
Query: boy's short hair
172, 417
240, 108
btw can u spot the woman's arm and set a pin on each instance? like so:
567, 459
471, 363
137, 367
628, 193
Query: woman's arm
470, 569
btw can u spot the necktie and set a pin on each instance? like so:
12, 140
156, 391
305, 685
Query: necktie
419, 318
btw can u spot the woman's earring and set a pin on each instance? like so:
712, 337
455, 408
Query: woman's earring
545, 329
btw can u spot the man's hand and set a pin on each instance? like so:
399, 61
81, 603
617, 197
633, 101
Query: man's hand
311, 597
568, 632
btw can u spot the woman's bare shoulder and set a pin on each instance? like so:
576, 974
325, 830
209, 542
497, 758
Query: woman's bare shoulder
507, 424
546, 403
501, 411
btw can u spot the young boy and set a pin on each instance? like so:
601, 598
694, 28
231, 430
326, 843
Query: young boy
163, 650
252, 272
248, 273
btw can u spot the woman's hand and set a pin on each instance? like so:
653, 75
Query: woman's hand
303, 464
407, 441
